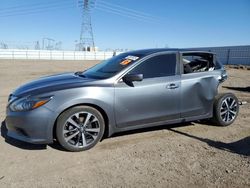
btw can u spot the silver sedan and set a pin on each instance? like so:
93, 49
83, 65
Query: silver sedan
132, 90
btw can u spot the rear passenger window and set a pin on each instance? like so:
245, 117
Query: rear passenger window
197, 62
157, 66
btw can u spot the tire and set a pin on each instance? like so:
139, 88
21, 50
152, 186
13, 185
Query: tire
226, 109
80, 128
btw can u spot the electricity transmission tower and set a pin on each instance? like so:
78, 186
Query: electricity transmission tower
58, 45
48, 43
86, 42
37, 45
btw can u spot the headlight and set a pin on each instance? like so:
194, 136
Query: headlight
26, 104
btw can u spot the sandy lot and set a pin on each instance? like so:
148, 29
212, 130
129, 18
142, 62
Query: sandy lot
183, 155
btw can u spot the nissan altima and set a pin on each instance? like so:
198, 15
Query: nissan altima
132, 90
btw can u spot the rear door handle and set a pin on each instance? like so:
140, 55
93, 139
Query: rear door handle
172, 86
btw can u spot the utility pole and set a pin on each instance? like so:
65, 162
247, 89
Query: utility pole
86, 42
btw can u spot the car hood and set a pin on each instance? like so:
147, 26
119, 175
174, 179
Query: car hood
52, 83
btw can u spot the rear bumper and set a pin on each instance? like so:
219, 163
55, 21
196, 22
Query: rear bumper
34, 126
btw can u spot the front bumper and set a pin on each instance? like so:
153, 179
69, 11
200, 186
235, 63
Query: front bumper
35, 126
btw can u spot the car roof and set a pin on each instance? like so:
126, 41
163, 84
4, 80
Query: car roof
156, 50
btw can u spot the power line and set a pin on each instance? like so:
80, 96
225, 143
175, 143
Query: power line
131, 16
132, 12
126, 9
36, 10
126, 13
31, 5
120, 14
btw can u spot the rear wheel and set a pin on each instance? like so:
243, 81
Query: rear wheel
79, 128
226, 109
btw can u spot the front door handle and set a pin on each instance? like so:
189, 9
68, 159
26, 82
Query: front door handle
172, 86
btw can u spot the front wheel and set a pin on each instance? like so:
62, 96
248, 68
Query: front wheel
80, 128
226, 109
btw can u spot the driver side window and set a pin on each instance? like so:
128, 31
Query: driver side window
157, 66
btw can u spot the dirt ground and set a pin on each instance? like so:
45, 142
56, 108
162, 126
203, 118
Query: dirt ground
183, 155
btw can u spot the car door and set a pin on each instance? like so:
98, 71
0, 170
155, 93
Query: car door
155, 98
198, 89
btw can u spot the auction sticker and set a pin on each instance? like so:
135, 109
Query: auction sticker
129, 59
126, 62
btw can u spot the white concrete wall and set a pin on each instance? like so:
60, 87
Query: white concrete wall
53, 55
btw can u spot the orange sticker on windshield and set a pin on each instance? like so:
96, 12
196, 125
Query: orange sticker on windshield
126, 62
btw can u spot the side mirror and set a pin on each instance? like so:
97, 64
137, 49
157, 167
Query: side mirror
132, 78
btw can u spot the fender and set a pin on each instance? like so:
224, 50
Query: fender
101, 97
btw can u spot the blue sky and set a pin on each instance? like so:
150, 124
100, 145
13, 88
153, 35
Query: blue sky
137, 24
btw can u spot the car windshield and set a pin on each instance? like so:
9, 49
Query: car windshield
112, 66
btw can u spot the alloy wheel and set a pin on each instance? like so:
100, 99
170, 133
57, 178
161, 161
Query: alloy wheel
228, 110
81, 129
